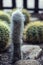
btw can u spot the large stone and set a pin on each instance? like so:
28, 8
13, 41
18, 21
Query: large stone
27, 62
30, 51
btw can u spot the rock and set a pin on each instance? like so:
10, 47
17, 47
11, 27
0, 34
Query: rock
30, 51
27, 62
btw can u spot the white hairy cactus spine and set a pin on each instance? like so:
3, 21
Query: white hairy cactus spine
17, 25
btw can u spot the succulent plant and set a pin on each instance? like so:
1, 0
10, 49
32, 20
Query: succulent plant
17, 26
4, 35
33, 32
5, 17
14, 9
9, 12
27, 16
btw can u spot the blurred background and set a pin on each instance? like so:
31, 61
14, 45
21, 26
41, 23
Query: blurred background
35, 7
31, 5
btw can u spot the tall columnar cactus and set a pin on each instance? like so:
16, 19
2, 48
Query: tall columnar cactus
26, 14
4, 35
4, 17
17, 26
34, 32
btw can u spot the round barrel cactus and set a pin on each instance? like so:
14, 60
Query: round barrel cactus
33, 32
4, 35
27, 16
5, 17
9, 12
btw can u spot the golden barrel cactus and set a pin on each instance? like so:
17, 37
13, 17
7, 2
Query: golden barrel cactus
33, 32
4, 35
4, 17
27, 16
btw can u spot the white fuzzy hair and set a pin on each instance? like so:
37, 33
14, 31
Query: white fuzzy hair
17, 26
18, 17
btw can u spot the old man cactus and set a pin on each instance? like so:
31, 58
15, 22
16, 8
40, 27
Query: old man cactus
26, 14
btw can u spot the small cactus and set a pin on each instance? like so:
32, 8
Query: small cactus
34, 32
5, 17
4, 35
